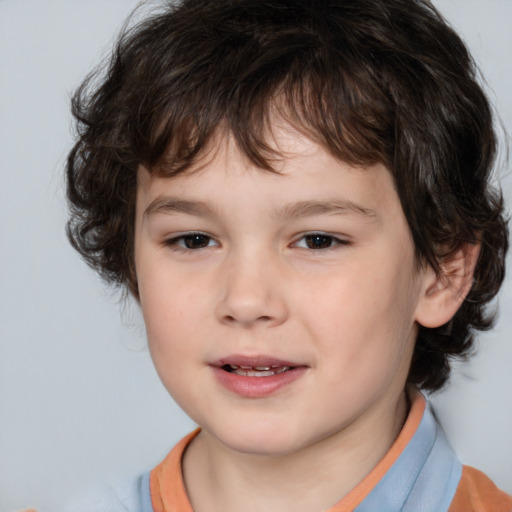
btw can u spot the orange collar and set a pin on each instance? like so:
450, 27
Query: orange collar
168, 492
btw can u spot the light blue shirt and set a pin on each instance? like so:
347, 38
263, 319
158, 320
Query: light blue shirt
424, 478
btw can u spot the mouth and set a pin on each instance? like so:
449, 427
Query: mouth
256, 376
256, 371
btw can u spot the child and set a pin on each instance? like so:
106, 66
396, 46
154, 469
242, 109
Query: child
297, 194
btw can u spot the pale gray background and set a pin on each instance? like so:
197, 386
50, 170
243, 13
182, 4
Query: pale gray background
79, 400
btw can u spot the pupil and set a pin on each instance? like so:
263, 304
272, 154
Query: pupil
196, 241
318, 241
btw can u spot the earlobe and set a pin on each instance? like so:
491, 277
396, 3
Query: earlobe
444, 292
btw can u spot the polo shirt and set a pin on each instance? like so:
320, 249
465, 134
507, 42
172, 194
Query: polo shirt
419, 473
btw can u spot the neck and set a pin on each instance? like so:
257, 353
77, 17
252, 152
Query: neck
310, 479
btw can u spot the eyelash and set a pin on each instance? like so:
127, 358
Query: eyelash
328, 241
180, 242
332, 240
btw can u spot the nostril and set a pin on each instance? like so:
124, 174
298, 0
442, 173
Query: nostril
263, 319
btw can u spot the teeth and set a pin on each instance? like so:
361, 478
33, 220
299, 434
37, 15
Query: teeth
259, 371
254, 373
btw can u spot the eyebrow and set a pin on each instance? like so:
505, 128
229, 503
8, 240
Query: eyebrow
177, 205
294, 210
329, 207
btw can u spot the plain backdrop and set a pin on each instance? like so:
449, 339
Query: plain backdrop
79, 400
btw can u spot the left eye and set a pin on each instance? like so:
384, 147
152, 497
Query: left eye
193, 241
318, 241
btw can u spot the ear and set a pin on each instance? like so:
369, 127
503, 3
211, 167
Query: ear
443, 293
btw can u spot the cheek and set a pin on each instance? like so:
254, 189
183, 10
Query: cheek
364, 318
170, 342
166, 295
166, 317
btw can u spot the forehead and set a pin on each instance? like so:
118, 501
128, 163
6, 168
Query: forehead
306, 179
282, 144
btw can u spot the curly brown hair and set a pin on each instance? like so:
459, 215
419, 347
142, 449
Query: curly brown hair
371, 80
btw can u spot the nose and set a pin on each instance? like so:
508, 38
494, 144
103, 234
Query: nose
251, 294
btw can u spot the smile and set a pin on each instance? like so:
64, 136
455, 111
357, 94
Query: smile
256, 377
258, 371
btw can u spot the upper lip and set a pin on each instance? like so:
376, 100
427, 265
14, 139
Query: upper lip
254, 361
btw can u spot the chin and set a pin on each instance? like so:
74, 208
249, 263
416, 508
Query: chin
271, 440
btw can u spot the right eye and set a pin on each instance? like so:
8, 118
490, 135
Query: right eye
192, 241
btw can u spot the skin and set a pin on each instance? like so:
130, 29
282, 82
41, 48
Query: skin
346, 313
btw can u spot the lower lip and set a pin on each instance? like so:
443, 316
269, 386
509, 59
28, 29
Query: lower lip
257, 387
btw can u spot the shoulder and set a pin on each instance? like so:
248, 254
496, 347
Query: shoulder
130, 495
476, 492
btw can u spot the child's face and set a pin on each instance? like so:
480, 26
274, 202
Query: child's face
311, 269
